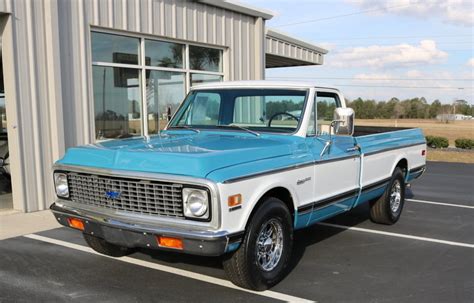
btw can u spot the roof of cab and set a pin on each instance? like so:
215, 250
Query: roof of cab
258, 84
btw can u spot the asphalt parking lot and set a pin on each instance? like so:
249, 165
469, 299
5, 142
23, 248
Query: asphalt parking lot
428, 256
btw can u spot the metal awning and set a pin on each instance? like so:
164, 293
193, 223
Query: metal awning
284, 51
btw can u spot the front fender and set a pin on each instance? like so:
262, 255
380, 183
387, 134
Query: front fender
254, 188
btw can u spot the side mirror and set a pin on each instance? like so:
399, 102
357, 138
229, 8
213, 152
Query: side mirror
344, 121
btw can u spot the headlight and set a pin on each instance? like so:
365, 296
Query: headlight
196, 203
60, 182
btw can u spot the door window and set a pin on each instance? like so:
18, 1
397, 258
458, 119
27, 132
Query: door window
326, 103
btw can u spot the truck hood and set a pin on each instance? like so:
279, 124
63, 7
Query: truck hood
181, 153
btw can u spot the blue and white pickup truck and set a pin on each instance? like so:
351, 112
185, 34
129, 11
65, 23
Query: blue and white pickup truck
239, 167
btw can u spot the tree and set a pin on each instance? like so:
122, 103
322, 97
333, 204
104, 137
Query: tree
462, 107
435, 109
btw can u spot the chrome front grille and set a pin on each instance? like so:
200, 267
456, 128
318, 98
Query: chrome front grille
129, 195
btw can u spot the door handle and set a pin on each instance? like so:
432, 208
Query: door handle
353, 149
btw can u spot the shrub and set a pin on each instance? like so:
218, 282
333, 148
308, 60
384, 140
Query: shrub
437, 142
464, 143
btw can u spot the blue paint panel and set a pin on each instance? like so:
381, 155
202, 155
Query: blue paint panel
412, 176
331, 210
376, 142
301, 220
193, 154
232, 246
367, 196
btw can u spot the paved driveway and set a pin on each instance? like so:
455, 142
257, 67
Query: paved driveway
428, 256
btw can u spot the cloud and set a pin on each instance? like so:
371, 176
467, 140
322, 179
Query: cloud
414, 73
327, 45
458, 12
470, 62
381, 56
372, 76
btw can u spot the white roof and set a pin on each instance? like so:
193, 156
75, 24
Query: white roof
240, 8
258, 84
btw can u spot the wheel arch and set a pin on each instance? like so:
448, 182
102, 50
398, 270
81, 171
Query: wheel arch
279, 192
402, 163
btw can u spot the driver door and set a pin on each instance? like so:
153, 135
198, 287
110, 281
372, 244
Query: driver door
336, 173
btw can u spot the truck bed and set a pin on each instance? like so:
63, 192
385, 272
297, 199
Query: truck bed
371, 130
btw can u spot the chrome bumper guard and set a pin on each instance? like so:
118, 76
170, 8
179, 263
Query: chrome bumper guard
196, 242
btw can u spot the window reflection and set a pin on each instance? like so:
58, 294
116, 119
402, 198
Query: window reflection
164, 91
114, 48
203, 78
205, 59
118, 93
117, 102
164, 54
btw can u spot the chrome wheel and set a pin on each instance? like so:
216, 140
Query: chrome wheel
395, 196
269, 245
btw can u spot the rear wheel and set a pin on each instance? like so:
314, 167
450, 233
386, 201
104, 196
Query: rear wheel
388, 208
103, 247
262, 258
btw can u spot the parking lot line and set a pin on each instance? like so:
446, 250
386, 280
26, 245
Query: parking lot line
397, 235
440, 203
171, 270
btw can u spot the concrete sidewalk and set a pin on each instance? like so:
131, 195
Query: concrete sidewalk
18, 224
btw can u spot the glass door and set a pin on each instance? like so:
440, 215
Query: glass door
5, 184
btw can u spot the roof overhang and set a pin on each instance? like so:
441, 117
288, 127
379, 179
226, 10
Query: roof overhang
285, 51
240, 8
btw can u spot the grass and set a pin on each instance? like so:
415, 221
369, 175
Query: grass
452, 130
450, 156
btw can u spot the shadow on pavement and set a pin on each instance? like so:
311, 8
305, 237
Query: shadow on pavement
303, 239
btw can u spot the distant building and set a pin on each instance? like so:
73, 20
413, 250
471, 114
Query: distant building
452, 117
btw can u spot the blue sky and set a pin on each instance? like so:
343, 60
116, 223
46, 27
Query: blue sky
385, 47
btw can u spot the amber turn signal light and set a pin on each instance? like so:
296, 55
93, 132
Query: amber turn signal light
76, 223
234, 200
170, 242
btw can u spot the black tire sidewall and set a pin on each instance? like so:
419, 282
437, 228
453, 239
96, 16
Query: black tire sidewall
102, 246
271, 209
397, 175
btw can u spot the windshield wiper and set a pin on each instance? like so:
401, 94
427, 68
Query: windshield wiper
240, 127
185, 127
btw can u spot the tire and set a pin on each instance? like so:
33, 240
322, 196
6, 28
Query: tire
388, 208
103, 247
244, 267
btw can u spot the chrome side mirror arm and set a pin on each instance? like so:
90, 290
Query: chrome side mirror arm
325, 148
328, 143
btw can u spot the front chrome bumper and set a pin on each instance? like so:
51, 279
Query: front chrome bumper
128, 234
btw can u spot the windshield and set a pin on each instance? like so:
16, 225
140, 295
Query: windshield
266, 110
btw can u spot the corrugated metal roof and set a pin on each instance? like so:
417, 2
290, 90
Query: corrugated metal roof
284, 51
240, 8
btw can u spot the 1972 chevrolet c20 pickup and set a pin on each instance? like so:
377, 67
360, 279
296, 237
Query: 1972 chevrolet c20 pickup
239, 168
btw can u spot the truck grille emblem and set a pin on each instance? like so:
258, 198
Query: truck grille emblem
114, 195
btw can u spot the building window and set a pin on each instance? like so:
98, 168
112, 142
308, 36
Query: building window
139, 82
164, 54
203, 78
206, 59
117, 101
165, 91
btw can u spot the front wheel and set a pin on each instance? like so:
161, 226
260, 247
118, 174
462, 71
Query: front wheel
103, 247
388, 208
263, 256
